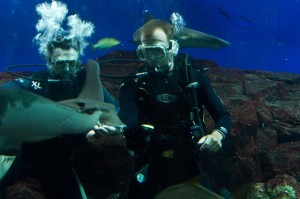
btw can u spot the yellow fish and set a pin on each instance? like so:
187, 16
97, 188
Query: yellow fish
106, 43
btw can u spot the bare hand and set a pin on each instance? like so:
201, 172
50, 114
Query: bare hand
211, 142
104, 130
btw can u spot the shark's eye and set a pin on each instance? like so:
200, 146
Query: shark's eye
81, 105
86, 109
89, 112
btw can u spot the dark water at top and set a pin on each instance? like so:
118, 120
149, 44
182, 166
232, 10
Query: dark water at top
264, 34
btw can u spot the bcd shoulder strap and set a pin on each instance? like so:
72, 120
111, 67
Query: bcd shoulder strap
191, 86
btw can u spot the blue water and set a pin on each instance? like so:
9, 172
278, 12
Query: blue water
264, 34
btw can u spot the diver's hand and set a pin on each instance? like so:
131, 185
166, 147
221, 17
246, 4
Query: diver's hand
100, 130
211, 142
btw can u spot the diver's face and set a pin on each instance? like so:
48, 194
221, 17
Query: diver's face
157, 54
63, 63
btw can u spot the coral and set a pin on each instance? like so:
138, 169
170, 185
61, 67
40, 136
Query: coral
282, 192
259, 192
279, 192
281, 187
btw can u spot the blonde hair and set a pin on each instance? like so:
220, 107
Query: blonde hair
149, 28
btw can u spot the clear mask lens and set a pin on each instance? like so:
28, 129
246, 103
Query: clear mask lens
65, 64
64, 69
151, 52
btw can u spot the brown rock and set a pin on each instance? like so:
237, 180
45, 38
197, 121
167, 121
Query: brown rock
264, 142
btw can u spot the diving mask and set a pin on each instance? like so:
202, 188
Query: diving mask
152, 52
157, 51
159, 54
64, 63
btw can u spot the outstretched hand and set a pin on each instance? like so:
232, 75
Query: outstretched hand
100, 130
211, 142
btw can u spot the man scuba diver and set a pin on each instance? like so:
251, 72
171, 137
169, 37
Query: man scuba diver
163, 100
65, 75
50, 161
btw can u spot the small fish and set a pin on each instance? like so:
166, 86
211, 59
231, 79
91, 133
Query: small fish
106, 43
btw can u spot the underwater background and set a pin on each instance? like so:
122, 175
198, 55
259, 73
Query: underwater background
264, 34
265, 142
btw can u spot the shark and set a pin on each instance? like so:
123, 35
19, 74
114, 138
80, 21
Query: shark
188, 190
186, 37
29, 117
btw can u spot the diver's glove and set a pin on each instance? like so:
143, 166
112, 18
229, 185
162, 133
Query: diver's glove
212, 142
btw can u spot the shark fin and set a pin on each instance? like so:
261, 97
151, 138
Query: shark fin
148, 16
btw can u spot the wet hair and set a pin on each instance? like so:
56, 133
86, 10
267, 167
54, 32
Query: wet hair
63, 43
148, 30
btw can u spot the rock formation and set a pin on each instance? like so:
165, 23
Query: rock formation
263, 149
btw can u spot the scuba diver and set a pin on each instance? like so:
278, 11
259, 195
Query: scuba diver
50, 161
163, 110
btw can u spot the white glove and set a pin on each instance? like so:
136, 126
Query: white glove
211, 142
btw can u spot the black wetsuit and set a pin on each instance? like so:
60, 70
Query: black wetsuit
50, 161
160, 100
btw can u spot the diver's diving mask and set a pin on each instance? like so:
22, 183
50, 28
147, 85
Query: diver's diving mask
64, 63
156, 51
159, 55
